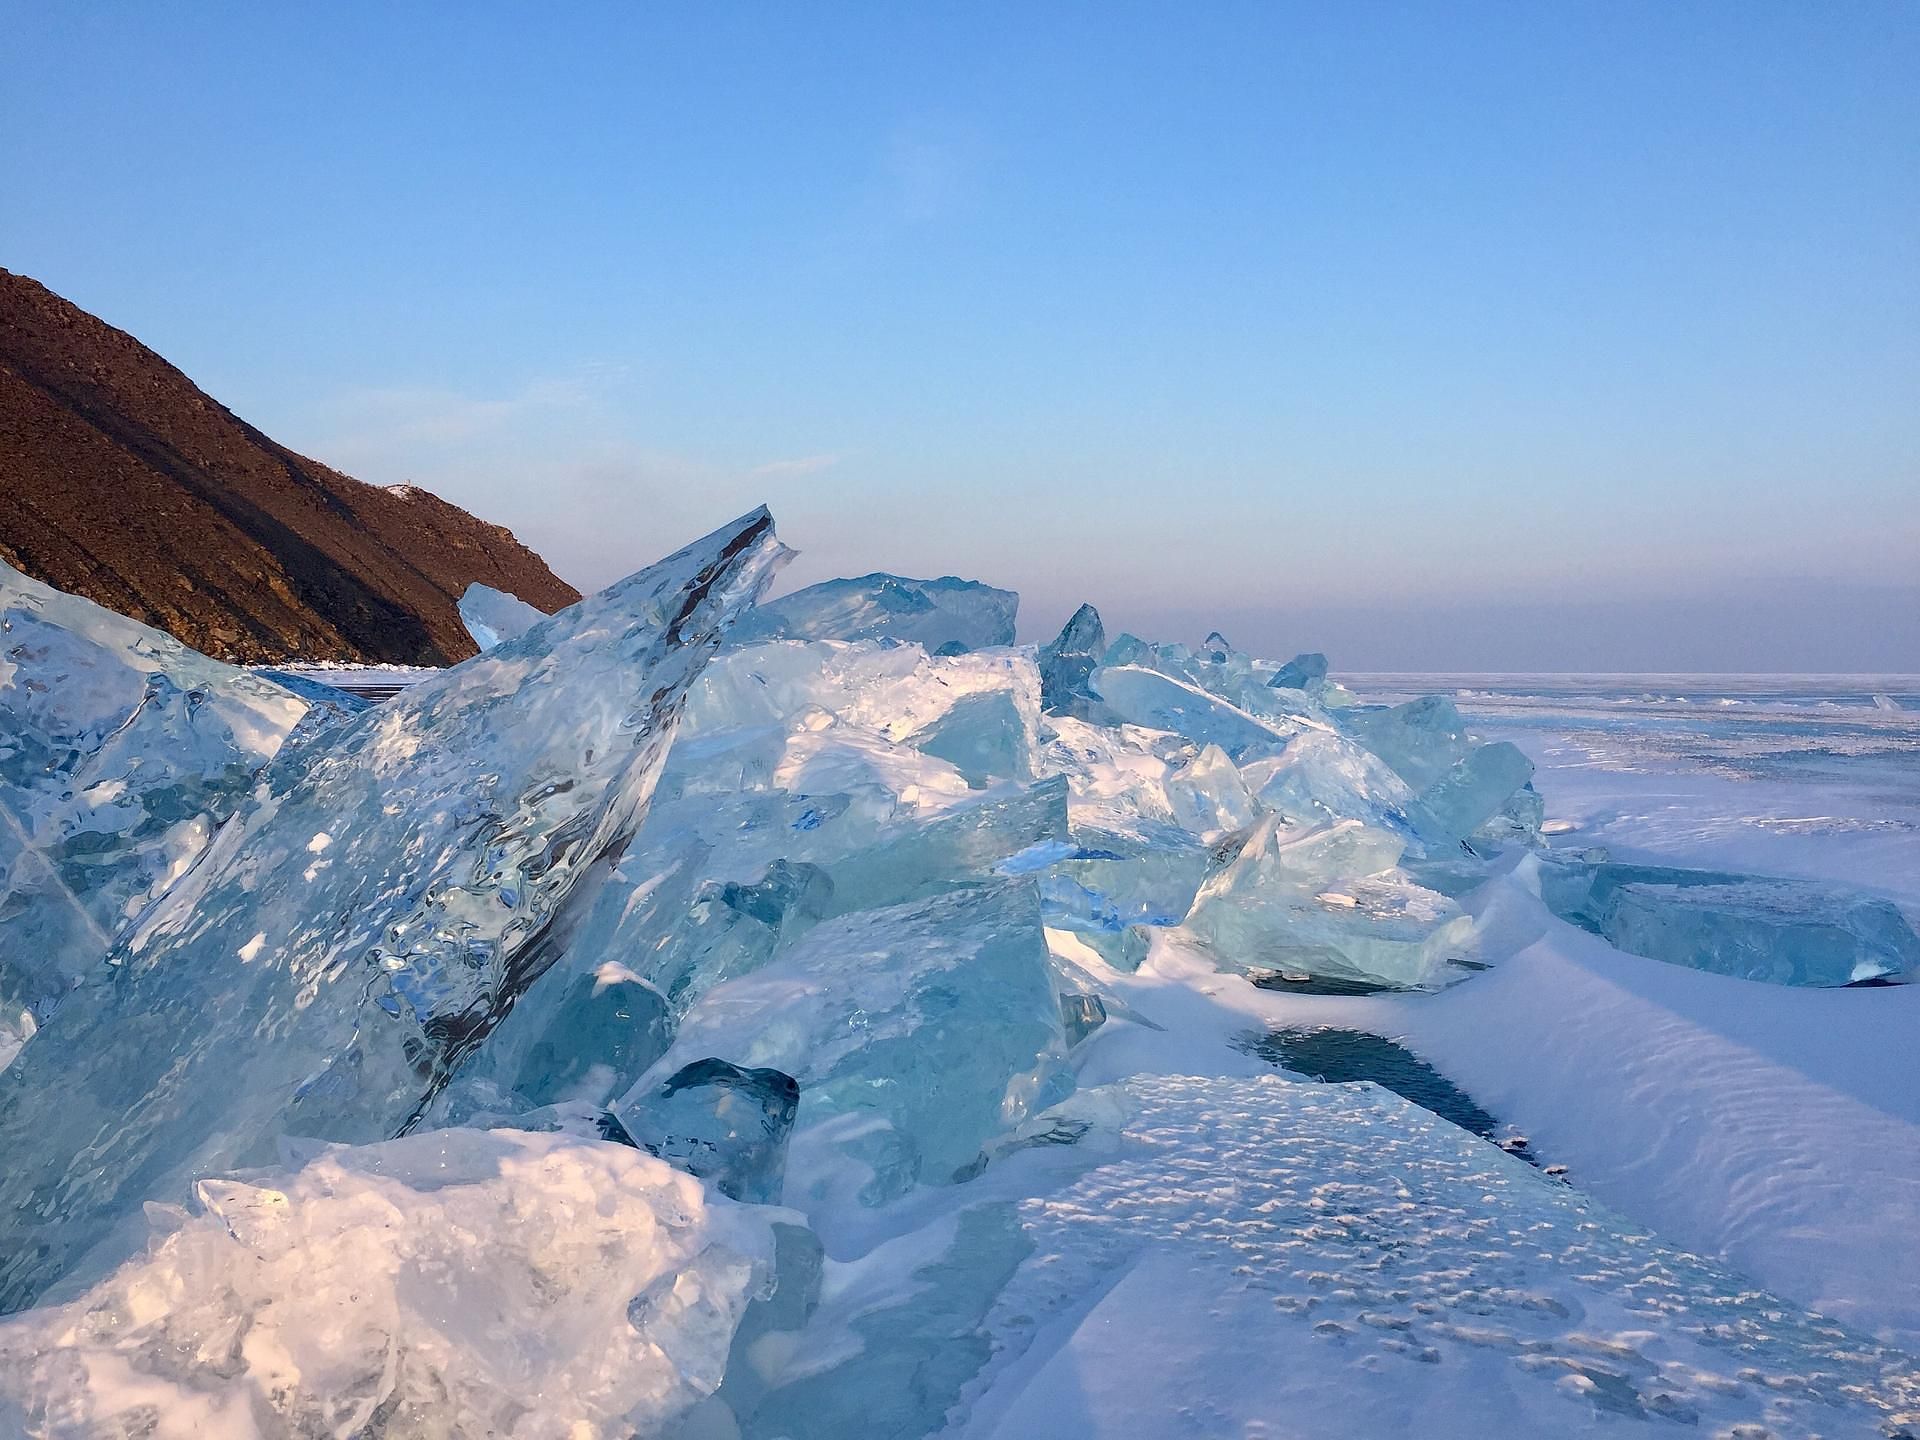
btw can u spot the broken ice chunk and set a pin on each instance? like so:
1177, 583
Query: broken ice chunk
1303, 672
1209, 797
1159, 701
1325, 901
720, 1122
452, 1283
1068, 660
608, 1027
984, 736
947, 616
935, 1022
1469, 794
1323, 776
1422, 740
492, 616
121, 752
330, 991
1788, 932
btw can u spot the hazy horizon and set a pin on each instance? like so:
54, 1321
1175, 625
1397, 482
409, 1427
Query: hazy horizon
1479, 340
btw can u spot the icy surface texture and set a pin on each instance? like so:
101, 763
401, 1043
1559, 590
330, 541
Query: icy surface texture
1326, 900
121, 752
1323, 776
1209, 797
456, 1284
719, 1122
1068, 661
984, 736
366, 920
492, 616
1332, 1254
945, 616
1788, 932
916, 1033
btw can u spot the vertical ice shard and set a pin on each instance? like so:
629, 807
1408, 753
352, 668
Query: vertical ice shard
366, 921
1210, 798
1068, 660
121, 752
720, 1122
947, 616
984, 736
492, 616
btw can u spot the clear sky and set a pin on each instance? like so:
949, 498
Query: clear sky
1434, 335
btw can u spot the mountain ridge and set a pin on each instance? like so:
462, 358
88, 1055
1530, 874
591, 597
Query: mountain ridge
121, 480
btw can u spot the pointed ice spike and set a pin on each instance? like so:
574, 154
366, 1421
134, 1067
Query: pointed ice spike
492, 616
1068, 659
368, 919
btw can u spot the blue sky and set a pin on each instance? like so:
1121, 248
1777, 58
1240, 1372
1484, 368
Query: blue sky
1438, 336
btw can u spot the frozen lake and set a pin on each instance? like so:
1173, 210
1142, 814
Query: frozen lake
1809, 775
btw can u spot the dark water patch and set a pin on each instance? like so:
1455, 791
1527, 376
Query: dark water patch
1339, 1056
1290, 982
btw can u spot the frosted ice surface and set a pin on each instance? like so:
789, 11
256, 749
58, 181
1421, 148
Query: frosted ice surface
457, 1284
1325, 900
1789, 932
1303, 672
368, 917
936, 1023
720, 1122
1360, 1266
945, 616
121, 752
1068, 660
492, 616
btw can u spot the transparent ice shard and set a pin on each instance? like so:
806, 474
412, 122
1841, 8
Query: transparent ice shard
934, 1025
1210, 798
1325, 900
1159, 701
1325, 776
1470, 793
945, 616
720, 1122
492, 616
121, 753
456, 1283
1422, 740
1787, 932
984, 736
1303, 672
1068, 660
368, 918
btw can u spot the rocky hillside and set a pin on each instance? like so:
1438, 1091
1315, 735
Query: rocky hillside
122, 481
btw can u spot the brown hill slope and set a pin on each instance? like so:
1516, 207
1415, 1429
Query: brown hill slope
121, 481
